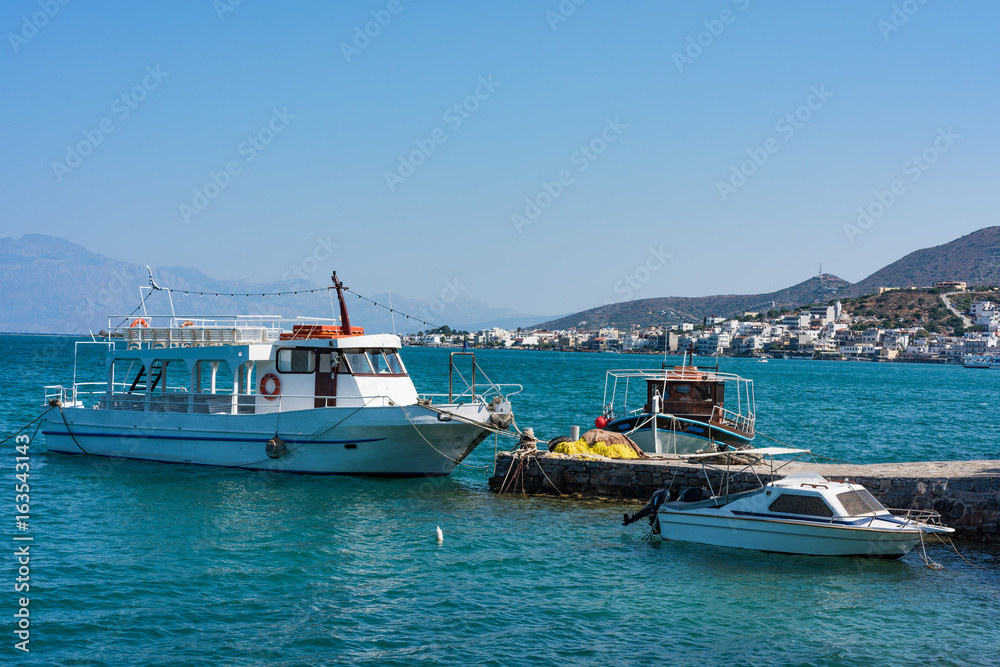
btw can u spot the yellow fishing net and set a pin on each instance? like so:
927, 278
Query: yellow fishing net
581, 448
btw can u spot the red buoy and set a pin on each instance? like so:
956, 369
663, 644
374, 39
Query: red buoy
600, 422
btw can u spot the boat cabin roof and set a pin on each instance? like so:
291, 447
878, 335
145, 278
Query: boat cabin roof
236, 354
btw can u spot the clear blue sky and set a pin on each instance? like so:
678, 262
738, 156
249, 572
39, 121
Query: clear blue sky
678, 126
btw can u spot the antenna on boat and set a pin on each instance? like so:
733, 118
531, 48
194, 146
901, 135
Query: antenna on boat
345, 319
392, 314
665, 336
154, 287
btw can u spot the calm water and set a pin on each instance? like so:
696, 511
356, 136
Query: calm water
162, 564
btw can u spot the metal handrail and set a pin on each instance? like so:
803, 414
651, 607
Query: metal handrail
930, 517
743, 423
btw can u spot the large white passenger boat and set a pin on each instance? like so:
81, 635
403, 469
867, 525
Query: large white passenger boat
244, 392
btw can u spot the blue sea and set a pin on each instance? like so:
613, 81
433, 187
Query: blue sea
141, 563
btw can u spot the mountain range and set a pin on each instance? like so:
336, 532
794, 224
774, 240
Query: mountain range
973, 258
50, 285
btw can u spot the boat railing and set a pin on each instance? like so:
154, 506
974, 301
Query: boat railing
469, 391
202, 330
929, 517
503, 391
178, 400
616, 398
743, 423
676, 373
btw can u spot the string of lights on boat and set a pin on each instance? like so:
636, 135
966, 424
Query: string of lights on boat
187, 292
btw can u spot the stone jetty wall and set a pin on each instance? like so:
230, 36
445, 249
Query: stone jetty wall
966, 493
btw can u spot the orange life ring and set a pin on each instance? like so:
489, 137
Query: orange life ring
139, 322
187, 323
263, 387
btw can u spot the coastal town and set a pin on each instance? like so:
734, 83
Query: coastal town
838, 330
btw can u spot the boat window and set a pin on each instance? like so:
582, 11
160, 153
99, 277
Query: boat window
296, 360
378, 362
702, 392
357, 360
795, 503
859, 502
395, 363
683, 389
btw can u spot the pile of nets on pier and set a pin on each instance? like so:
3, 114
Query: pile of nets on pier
598, 443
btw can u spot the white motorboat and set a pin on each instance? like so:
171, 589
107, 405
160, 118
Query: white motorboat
981, 361
684, 409
802, 513
244, 392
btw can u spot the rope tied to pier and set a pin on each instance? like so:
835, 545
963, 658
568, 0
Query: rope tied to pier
518, 467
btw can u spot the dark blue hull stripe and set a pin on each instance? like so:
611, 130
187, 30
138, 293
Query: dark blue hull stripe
76, 434
820, 520
697, 435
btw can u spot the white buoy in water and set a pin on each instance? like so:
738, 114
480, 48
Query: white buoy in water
440, 535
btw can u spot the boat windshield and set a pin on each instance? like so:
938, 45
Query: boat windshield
860, 501
357, 361
373, 362
379, 364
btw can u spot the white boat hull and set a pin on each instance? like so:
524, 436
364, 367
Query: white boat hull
382, 441
786, 536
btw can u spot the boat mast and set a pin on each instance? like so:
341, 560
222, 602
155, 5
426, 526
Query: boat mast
345, 320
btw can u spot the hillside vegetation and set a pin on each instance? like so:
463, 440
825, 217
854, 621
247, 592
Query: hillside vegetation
913, 308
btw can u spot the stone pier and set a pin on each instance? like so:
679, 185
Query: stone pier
966, 493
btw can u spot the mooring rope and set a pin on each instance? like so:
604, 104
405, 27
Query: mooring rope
27, 426
68, 431
429, 444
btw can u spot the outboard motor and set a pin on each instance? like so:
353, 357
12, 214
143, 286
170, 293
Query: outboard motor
658, 498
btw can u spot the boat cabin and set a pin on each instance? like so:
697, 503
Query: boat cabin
686, 392
290, 372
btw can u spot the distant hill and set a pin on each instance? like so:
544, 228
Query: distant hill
660, 310
50, 285
974, 258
